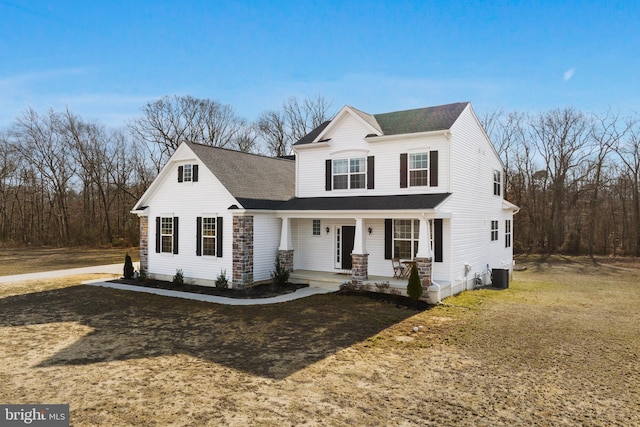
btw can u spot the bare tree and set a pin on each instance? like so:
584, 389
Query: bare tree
172, 120
279, 129
561, 139
628, 149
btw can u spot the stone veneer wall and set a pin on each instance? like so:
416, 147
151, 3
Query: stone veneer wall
359, 268
144, 243
242, 251
424, 271
286, 259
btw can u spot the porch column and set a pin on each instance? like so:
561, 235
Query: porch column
424, 239
285, 250
424, 256
359, 256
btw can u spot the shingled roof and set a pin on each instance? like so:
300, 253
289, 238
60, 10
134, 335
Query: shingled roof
255, 181
428, 119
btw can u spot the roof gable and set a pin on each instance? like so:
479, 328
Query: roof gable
249, 176
428, 119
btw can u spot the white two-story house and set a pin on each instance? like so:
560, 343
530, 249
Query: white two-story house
421, 186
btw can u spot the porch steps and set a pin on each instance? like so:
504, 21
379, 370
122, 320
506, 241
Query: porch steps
318, 279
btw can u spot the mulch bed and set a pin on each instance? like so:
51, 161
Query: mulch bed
397, 300
258, 291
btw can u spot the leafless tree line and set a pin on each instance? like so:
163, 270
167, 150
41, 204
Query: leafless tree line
575, 177
65, 180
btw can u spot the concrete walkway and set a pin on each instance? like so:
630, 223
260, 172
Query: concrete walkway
300, 293
97, 269
117, 269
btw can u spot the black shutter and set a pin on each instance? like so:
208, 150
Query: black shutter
437, 240
370, 172
194, 173
403, 170
158, 237
219, 237
388, 238
327, 175
199, 236
175, 235
180, 173
433, 168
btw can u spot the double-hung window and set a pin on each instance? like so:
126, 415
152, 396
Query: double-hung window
166, 234
497, 182
187, 173
507, 233
349, 173
405, 238
208, 236
418, 169
494, 230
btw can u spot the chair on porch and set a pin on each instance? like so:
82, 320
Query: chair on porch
398, 269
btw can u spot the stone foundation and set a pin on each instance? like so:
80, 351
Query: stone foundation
144, 243
424, 271
359, 268
242, 252
286, 259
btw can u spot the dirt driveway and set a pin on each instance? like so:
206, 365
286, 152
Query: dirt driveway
560, 347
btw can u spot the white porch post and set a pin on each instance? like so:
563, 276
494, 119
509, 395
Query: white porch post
359, 256
424, 239
359, 243
285, 235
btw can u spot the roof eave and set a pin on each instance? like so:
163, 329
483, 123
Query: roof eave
381, 138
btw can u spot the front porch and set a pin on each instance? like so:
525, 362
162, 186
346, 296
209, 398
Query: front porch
332, 280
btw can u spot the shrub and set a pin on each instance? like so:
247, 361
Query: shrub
128, 267
178, 279
414, 288
280, 276
142, 274
221, 281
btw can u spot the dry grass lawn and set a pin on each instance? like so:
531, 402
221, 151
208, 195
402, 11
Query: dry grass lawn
31, 260
559, 347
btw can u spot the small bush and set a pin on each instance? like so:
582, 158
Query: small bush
280, 276
128, 267
142, 274
178, 279
221, 281
414, 287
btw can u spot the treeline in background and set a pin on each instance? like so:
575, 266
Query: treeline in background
67, 181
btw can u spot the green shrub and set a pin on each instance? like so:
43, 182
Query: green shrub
142, 274
178, 279
128, 267
280, 276
414, 288
221, 281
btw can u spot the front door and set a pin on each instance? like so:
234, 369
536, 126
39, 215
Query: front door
348, 236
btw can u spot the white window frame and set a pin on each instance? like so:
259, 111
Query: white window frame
412, 168
399, 235
166, 232
207, 235
350, 173
316, 229
494, 230
497, 183
187, 172
507, 233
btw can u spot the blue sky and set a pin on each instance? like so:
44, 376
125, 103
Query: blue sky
106, 59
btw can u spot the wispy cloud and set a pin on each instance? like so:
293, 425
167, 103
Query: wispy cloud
39, 76
569, 73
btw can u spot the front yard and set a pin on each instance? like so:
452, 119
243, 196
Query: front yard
560, 347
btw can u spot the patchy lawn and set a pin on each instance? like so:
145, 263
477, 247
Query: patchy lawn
31, 260
559, 347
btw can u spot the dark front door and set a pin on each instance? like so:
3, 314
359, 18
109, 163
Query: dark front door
348, 236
